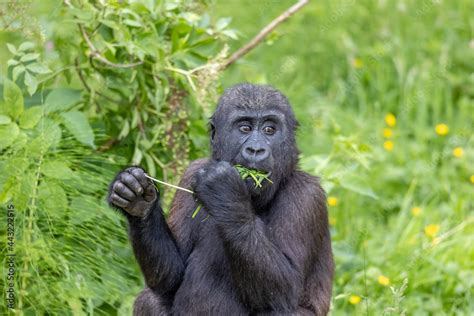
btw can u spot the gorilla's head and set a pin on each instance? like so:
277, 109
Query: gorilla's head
254, 126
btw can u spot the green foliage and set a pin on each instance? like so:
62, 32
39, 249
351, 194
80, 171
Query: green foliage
25, 62
257, 176
13, 99
108, 86
76, 122
140, 64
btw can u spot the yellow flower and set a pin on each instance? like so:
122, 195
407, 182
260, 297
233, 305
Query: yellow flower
355, 299
332, 221
357, 63
332, 201
442, 129
471, 178
390, 119
387, 133
388, 145
415, 211
458, 152
383, 280
431, 230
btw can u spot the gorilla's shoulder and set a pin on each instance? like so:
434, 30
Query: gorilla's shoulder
197, 164
193, 167
305, 179
306, 184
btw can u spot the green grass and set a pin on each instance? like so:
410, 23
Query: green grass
344, 66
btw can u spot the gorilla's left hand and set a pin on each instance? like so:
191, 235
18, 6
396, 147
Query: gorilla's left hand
219, 187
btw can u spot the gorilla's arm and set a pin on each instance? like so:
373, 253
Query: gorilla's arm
156, 251
162, 249
269, 260
153, 244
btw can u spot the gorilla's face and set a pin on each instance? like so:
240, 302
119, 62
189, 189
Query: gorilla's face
255, 138
254, 126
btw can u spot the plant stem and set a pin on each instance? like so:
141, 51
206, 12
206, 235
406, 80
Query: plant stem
169, 184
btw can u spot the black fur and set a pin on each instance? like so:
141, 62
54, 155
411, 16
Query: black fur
250, 250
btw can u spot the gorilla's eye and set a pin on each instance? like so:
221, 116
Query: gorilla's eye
245, 128
269, 130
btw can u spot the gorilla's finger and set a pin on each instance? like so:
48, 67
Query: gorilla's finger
118, 201
131, 182
150, 193
139, 174
123, 191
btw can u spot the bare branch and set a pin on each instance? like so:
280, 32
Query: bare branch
264, 32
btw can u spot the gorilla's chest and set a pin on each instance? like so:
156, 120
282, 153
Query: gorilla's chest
207, 282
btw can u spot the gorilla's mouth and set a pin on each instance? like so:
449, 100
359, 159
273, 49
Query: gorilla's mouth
258, 170
255, 168
255, 180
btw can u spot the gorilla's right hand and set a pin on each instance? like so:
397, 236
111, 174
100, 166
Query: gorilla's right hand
133, 192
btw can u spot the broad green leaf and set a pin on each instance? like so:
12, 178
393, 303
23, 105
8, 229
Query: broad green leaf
38, 68
137, 156
109, 23
20, 142
31, 83
29, 57
26, 46
11, 48
15, 166
61, 99
14, 103
132, 23
57, 169
76, 122
31, 117
17, 71
8, 134
5, 120
12, 62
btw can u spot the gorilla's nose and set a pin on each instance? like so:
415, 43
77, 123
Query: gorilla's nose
255, 153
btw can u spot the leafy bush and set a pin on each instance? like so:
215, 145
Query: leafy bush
111, 85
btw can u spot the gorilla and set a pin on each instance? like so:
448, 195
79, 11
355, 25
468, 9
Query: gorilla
250, 250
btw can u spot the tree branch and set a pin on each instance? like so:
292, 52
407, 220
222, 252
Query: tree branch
95, 53
264, 32
87, 87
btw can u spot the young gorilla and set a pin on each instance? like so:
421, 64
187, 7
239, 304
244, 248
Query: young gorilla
261, 250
